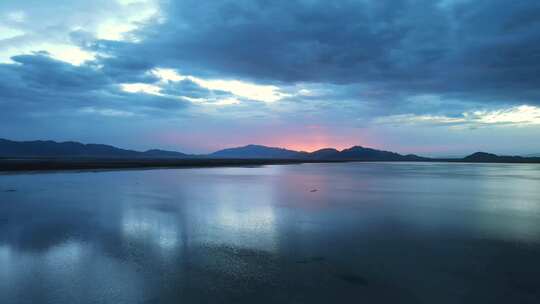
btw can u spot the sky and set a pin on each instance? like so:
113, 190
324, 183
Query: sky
436, 78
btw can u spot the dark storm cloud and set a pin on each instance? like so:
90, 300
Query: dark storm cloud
40, 72
480, 50
39, 85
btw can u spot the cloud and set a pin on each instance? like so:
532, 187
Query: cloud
522, 115
481, 50
266, 93
29, 26
106, 112
141, 88
233, 66
420, 119
43, 72
40, 85
514, 116
251, 91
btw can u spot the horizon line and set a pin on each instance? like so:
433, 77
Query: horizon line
448, 156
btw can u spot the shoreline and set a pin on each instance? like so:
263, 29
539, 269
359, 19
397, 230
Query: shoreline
47, 165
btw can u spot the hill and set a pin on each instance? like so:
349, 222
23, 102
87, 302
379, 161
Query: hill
66, 150
259, 152
52, 149
483, 157
353, 153
368, 154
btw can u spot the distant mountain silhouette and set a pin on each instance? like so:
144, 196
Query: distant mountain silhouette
354, 153
483, 157
358, 152
164, 154
323, 153
52, 149
260, 152
40, 148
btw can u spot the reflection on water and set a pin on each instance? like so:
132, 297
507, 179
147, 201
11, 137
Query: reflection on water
151, 227
380, 232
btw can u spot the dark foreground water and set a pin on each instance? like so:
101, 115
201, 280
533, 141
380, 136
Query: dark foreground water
312, 233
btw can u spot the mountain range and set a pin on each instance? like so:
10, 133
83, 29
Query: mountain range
52, 149
48, 148
353, 153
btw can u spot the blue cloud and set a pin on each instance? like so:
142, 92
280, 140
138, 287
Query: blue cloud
469, 49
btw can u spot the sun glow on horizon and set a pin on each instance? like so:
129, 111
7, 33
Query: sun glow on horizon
309, 141
312, 147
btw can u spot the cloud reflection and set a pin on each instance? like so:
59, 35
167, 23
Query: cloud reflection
148, 226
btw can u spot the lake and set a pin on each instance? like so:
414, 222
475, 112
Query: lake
310, 233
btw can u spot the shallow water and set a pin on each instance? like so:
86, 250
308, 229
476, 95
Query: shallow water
311, 233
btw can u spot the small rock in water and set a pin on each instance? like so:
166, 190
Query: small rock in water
313, 190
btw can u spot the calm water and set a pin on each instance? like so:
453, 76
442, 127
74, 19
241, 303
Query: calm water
370, 233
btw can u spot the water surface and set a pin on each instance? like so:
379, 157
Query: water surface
311, 233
